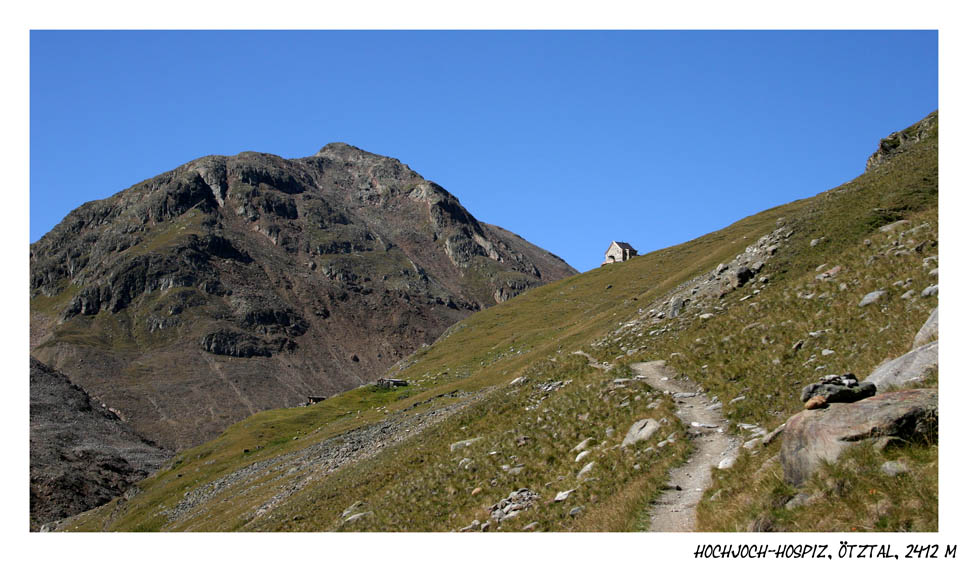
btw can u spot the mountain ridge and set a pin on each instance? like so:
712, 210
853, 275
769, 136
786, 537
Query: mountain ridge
322, 270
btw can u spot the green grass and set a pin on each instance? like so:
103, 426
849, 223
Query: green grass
746, 348
852, 494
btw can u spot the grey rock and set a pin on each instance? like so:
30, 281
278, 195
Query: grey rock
912, 366
839, 392
562, 496
585, 470
871, 298
462, 444
930, 291
582, 446
813, 437
676, 306
894, 468
928, 331
893, 226
908, 295
640, 431
798, 500
575, 511
516, 501
739, 277
351, 509
530, 526
357, 517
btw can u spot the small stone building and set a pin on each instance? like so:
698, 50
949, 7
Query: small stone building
390, 383
619, 251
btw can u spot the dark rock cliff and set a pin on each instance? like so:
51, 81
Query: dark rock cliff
81, 454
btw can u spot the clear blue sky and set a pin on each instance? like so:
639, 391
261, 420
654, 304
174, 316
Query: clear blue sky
570, 139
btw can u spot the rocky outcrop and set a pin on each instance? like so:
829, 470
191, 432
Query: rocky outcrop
900, 141
81, 453
813, 437
265, 280
838, 388
513, 505
237, 344
913, 366
689, 298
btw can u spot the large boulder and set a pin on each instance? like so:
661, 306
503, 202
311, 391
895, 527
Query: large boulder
928, 332
910, 367
640, 431
813, 437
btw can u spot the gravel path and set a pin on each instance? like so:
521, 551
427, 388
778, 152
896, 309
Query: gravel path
675, 509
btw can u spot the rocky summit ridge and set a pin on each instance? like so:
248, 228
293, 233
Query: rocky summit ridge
233, 284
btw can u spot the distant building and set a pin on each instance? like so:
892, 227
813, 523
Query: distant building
619, 251
390, 383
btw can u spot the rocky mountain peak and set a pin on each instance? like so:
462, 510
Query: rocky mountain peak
320, 272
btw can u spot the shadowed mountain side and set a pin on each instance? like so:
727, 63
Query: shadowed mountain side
81, 454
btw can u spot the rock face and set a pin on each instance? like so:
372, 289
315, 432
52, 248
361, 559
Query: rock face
912, 366
900, 141
81, 454
814, 436
264, 280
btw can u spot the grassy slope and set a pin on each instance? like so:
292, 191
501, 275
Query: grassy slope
417, 485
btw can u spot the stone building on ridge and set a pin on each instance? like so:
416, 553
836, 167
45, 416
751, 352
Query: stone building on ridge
619, 251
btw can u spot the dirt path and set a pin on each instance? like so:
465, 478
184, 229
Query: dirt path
675, 509
591, 361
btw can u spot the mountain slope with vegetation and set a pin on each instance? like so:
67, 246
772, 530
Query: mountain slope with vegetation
537, 413
265, 280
